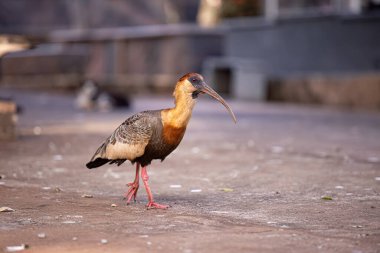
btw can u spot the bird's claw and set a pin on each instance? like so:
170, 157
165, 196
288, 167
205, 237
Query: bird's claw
154, 205
132, 192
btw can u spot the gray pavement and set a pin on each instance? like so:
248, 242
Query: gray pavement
285, 178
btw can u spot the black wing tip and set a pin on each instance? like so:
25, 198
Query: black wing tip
96, 163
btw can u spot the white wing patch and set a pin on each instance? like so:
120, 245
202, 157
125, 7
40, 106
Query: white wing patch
121, 150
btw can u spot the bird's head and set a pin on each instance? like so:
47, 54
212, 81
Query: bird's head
193, 84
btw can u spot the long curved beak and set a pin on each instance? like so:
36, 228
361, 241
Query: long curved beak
208, 90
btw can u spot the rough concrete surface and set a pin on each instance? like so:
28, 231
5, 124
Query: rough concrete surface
259, 184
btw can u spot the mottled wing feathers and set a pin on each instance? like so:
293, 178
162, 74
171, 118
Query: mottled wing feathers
127, 142
134, 130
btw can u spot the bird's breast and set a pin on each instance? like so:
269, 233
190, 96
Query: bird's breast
173, 135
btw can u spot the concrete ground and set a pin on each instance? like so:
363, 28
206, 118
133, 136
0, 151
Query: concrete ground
283, 179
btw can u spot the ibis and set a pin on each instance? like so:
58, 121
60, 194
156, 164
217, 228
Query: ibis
154, 134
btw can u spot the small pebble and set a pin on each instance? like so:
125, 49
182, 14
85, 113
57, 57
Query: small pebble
113, 205
220, 212
69, 222
195, 190
41, 235
59, 170
175, 186
195, 150
87, 196
57, 157
377, 178
75, 238
103, 241
37, 130
339, 187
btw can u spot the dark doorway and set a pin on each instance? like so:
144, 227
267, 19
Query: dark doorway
223, 80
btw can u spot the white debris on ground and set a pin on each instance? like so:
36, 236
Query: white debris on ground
195, 150
41, 235
37, 130
5, 209
88, 196
57, 157
16, 248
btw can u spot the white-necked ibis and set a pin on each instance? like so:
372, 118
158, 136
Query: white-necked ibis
151, 135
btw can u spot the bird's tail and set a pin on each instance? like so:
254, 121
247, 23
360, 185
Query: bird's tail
98, 160
96, 163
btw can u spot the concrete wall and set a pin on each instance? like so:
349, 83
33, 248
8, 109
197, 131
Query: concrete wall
350, 91
140, 58
330, 60
308, 45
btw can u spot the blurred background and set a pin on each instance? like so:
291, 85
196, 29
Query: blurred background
316, 51
246, 48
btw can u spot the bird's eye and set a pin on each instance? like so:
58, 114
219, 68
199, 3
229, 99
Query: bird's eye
194, 80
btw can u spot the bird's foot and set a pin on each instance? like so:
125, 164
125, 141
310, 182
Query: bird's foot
154, 205
132, 192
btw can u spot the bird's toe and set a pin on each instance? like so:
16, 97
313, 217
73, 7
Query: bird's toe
154, 205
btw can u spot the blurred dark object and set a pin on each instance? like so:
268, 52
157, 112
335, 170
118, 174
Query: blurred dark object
92, 97
241, 8
8, 119
372, 7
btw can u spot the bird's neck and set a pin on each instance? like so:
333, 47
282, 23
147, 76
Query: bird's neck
180, 114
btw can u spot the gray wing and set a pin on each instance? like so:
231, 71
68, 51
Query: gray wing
129, 140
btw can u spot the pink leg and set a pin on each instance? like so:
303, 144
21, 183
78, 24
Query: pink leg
133, 187
151, 204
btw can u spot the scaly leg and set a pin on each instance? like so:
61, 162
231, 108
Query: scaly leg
151, 204
133, 187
